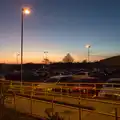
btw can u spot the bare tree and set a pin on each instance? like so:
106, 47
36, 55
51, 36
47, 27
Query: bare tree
68, 58
46, 61
84, 61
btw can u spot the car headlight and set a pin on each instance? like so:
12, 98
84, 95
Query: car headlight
49, 89
94, 88
84, 90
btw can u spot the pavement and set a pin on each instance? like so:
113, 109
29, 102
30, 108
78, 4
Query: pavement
103, 109
38, 107
12, 114
104, 106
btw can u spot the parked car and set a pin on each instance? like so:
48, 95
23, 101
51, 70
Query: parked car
111, 89
27, 76
81, 75
101, 75
86, 86
53, 83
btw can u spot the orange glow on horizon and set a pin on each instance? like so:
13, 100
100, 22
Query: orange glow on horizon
37, 60
38, 57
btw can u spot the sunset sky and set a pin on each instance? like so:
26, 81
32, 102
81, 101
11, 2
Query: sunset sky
60, 27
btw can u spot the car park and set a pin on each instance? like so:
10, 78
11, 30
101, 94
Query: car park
81, 75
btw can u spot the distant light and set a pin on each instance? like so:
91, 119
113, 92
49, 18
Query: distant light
26, 11
88, 46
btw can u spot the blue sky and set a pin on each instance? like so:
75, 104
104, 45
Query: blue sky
60, 27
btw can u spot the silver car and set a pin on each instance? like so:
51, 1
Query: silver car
111, 89
53, 82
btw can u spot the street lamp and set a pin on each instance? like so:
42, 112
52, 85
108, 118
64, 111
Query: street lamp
17, 56
88, 47
24, 11
45, 53
45, 58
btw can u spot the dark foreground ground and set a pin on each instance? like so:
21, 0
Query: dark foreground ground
10, 114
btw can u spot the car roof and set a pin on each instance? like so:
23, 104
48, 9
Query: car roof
61, 76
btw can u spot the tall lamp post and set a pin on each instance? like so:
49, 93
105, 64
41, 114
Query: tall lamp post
45, 52
24, 11
17, 56
88, 47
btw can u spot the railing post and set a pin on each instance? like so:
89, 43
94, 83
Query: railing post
45, 91
11, 86
116, 118
68, 91
96, 90
21, 88
79, 91
32, 91
53, 105
61, 91
87, 93
1, 95
31, 99
15, 101
65, 90
79, 110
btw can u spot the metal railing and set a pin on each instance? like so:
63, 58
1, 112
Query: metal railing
39, 92
78, 89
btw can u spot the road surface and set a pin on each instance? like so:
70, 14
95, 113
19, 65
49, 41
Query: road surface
38, 107
99, 105
106, 106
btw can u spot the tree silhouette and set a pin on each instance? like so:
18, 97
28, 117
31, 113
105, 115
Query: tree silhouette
84, 61
68, 58
46, 61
